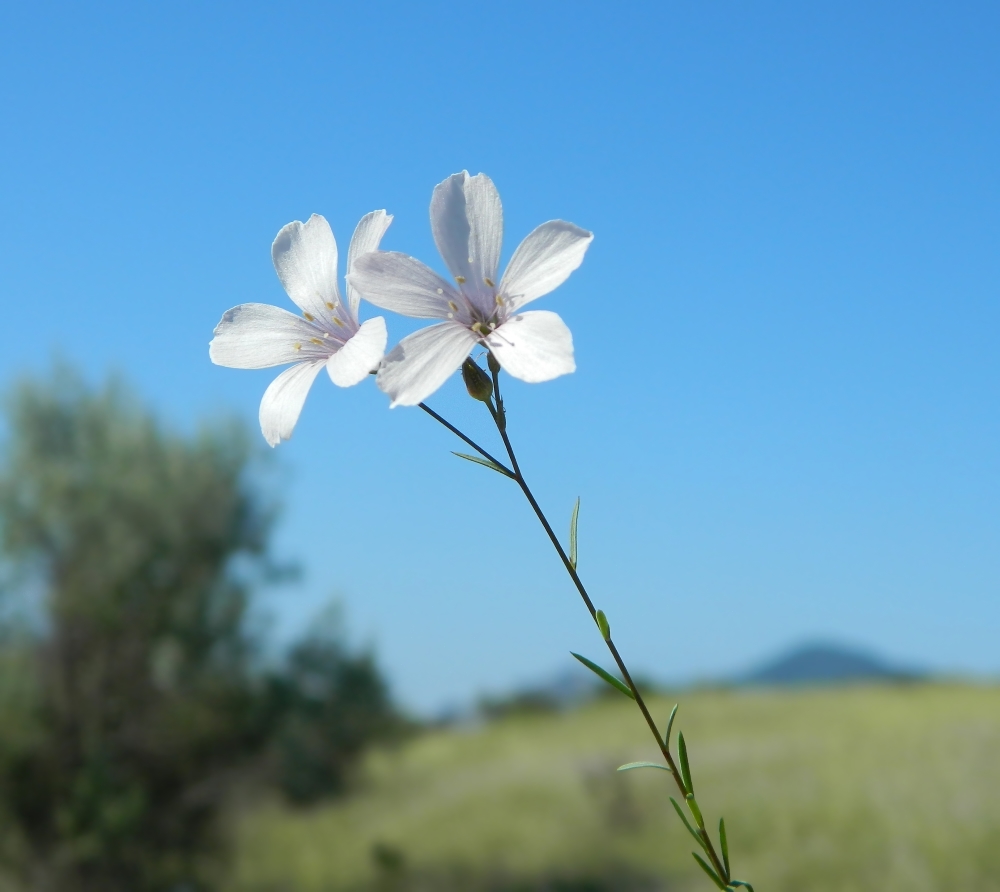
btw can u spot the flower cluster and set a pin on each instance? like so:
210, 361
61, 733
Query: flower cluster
475, 308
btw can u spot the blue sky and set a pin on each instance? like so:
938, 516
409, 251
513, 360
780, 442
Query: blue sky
784, 423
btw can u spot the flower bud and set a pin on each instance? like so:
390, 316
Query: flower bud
477, 382
491, 361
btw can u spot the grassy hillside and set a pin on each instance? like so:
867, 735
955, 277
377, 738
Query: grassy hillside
881, 788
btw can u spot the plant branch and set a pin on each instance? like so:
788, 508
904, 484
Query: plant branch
663, 745
467, 440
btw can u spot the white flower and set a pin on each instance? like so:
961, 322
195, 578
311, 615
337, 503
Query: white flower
467, 221
255, 336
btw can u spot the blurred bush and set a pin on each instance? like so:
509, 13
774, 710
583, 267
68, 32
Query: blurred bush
132, 699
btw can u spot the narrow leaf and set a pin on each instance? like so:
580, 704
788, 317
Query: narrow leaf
603, 625
607, 676
741, 883
687, 823
572, 533
695, 810
709, 871
670, 725
682, 750
724, 844
630, 765
485, 462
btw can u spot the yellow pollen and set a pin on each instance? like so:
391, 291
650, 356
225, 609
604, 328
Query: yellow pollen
329, 305
499, 300
308, 316
336, 321
453, 306
488, 281
298, 346
316, 340
460, 280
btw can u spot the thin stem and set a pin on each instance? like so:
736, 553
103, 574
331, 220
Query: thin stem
664, 748
468, 440
499, 419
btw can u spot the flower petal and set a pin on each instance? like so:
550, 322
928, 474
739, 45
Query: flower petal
534, 346
283, 400
360, 356
255, 336
422, 362
366, 238
305, 259
402, 284
543, 261
467, 221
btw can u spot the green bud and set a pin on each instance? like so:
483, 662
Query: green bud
491, 361
477, 382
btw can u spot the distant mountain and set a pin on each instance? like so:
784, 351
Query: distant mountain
825, 663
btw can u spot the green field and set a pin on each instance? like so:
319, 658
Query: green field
868, 788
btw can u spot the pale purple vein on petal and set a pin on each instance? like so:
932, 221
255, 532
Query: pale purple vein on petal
543, 261
402, 284
360, 356
283, 400
305, 259
534, 346
256, 336
467, 222
423, 361
367, 237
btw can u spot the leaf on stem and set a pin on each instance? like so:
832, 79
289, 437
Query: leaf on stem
687, 823
695, 810
572, 533
628, 766
670, 725
682, 751
485, 462
607, 676
715, 877
741, 883
603, 625
724, 844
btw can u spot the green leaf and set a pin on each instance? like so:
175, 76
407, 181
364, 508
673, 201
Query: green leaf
724, 844
572, 533
670, 725
687, 823
682, 750
602, 624
709, 871
741, 883
695, 810
630, 765
485, 462
607, 676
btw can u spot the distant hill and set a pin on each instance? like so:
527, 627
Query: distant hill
826, 663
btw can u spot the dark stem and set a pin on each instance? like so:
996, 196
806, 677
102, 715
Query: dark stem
557, 545
466, 439
499, 419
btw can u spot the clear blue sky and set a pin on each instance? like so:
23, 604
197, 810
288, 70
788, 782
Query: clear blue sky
784, 422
